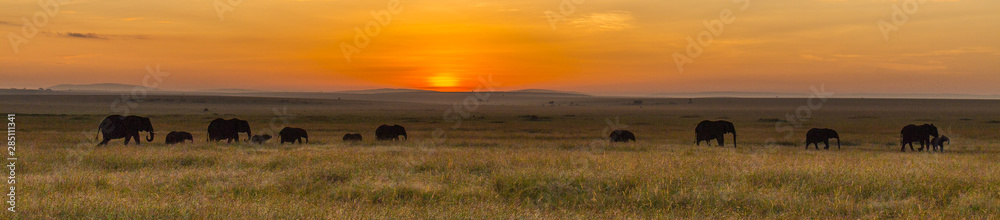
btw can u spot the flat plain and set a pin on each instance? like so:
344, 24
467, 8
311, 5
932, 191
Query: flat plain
510, 156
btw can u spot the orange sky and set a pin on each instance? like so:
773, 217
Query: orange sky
627, 46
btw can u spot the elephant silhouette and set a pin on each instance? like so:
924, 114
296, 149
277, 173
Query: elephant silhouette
260, 139
622, 136
352, 137
386, 132
937, 143
176, 137
230, 130
708, 130
290, 135
913, 133
816, 135
128, 127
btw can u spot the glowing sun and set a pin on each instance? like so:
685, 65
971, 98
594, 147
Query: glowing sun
442, 81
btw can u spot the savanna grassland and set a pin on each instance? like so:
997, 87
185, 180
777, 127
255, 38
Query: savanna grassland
507, 159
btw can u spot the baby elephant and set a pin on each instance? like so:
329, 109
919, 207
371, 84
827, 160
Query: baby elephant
937, 144
352, 137
260, 139
176, 137
817, 135
290, 135
622, 136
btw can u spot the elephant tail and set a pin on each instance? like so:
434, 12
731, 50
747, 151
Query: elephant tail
98, 135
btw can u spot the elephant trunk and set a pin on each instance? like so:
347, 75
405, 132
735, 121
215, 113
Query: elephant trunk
150, 137
838, 143
307, 139
404, 137
248, 135
734, 139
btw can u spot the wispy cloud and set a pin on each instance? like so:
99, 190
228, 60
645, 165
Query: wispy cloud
101, 36
606, 21
84, 35
132, 19
816, 58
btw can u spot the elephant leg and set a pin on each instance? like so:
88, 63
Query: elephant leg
722, 141
104, 142
827, 143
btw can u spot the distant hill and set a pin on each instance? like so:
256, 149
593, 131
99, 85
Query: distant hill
111, 87
835, 95
548, 92
915, 96
230, 91
383, 91
725, 94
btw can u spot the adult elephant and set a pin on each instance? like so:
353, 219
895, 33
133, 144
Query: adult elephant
128, 127
386, 132
176, 137
622, 136
708, 130
817, 135
230, 129
913, 133
290, 135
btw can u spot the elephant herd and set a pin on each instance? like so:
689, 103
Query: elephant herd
129, 127
716, 130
